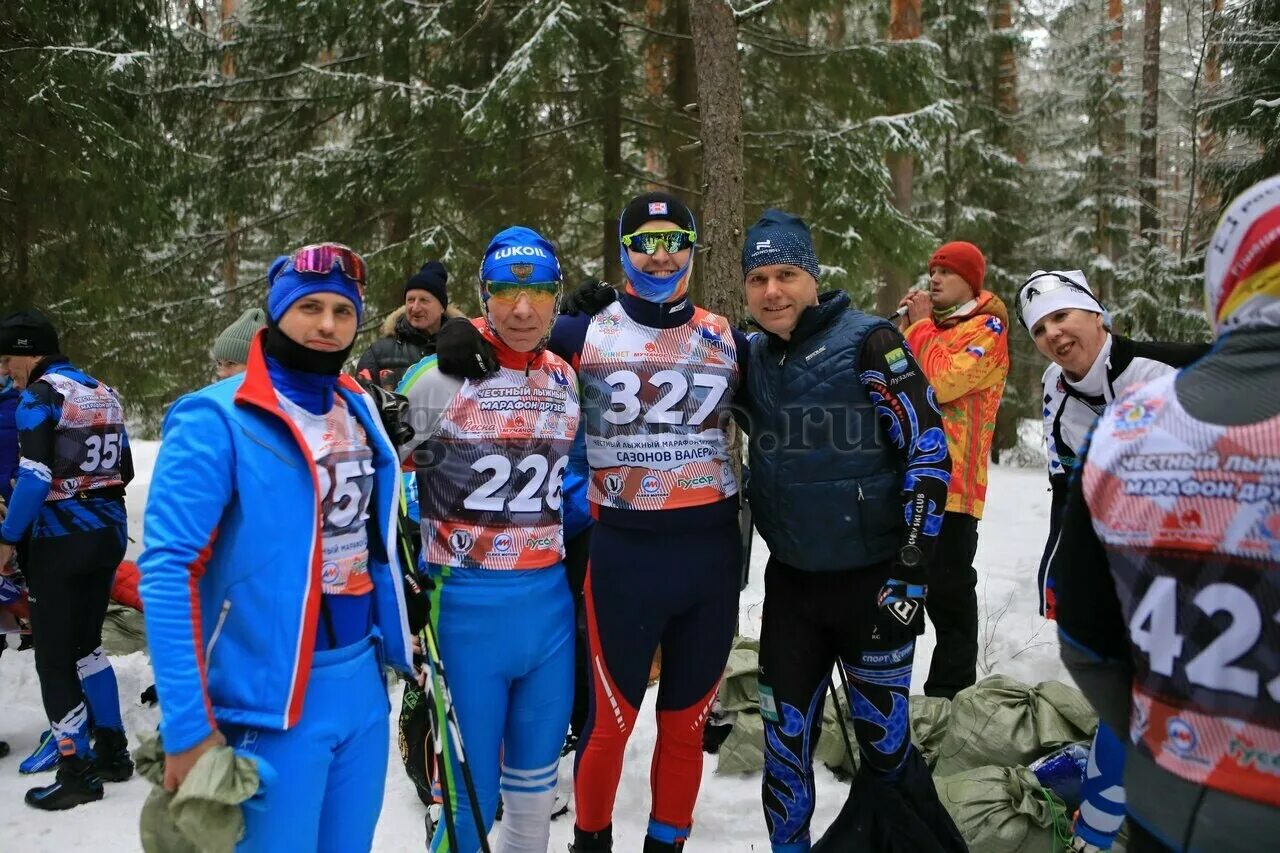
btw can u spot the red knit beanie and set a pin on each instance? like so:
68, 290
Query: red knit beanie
963, 259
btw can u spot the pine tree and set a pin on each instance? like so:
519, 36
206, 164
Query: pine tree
1245, 111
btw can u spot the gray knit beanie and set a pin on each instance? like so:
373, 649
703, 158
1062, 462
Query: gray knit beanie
233, 343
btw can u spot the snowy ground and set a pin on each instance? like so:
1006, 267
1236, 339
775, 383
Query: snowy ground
1013, 640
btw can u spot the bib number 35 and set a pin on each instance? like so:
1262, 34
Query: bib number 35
102, 453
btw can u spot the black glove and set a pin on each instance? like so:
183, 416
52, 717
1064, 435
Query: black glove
417, 601
591, 297
392, 408
903, 594
461, 351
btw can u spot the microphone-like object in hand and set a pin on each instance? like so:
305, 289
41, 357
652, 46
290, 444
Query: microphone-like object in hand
899, 314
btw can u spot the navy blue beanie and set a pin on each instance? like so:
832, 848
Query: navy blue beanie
432, 278
779, 238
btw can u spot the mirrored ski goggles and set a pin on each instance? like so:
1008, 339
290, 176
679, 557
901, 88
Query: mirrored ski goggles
1048, 282
541, 294
648, 242
321, 257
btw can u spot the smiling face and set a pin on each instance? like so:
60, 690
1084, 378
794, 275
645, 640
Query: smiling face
1071, 338
423, 310
660, 263
777, 295
947, 289
321, 321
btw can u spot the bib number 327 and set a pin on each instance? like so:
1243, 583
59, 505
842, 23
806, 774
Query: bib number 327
624, 399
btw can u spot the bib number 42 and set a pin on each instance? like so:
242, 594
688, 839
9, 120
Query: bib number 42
1153, 628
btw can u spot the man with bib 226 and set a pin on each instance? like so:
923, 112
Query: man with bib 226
490, 456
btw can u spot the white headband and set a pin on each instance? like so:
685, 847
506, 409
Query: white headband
1054, 291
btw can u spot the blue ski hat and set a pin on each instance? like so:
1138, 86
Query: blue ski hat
518, 254
287, 286
779, 238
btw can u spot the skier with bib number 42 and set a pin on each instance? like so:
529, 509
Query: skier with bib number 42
1167, 569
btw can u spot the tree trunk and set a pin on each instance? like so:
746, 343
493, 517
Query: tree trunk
656, 52
1148, 158
231, 222
1111, 131
1005, 94
611, 146
715, 40
904, 25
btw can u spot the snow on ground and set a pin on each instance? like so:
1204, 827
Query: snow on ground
1013, 640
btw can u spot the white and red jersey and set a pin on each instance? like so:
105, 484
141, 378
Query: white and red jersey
89, 438
344, 471
1189, 514
656, 402
490, 474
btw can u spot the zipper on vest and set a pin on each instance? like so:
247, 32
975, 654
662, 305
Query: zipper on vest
861, 496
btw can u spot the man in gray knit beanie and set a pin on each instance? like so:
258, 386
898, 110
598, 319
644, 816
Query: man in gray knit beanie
231, 348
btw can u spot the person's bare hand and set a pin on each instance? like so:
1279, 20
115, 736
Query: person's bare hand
919, 306
178, 764
6, 554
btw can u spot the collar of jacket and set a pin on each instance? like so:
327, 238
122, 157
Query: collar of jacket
1122, 353
44, 365
257, 389
657, 315
406, 332
985, 303
813, 319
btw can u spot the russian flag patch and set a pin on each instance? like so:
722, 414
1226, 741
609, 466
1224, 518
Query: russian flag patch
657, 208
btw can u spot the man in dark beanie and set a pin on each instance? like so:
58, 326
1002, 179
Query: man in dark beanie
850, 507
69, 505
409, 334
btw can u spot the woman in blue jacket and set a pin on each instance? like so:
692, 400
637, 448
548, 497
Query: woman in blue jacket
270, 579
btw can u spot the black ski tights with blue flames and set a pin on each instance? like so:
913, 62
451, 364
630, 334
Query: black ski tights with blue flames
811, 619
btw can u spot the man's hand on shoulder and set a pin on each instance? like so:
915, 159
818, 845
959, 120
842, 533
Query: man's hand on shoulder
590, 297
461, 351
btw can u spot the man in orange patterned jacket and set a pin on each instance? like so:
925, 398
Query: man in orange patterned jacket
959, 335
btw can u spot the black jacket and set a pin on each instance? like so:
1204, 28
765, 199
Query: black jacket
387, 360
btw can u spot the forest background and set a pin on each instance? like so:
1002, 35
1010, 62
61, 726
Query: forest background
155, 155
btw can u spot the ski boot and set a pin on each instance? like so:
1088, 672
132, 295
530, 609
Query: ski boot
44, 757
600, 841
4, 749
653, 845
111, 755
77, 783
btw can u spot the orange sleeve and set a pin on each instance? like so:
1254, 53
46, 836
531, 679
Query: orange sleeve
959, 359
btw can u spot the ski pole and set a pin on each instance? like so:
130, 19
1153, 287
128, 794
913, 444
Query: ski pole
844, 730
442, 699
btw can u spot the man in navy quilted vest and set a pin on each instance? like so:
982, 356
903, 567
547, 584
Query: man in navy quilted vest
848, 485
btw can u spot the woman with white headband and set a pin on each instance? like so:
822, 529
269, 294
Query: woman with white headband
1090, 366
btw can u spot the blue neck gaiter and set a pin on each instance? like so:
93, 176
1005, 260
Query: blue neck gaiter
654, 288
311, 391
